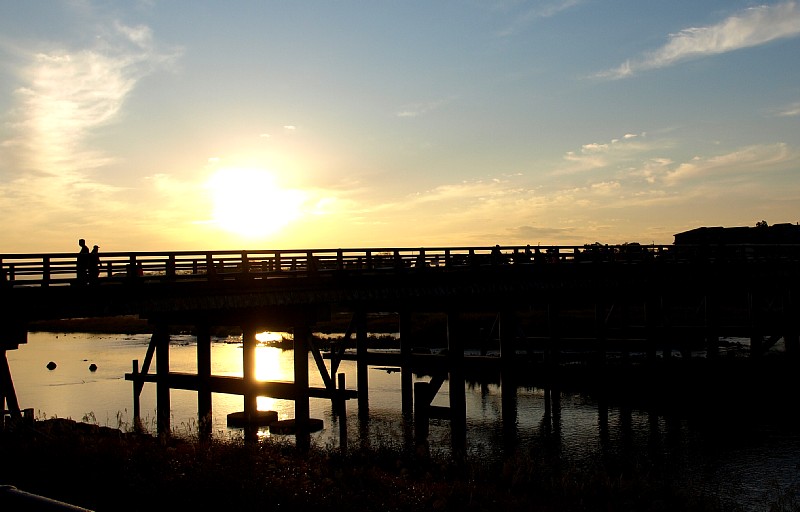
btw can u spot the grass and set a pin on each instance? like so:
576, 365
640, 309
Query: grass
103, 468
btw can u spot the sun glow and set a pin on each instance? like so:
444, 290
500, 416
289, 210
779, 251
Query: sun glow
249, 203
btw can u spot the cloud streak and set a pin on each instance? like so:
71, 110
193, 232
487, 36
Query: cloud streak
751, 27
537, 12
67, 94
64, 96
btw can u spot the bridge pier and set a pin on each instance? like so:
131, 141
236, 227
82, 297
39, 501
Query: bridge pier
508, 384
161, 339
204, 375
406, 373
362, 368
456, 382
250, 397
302, 334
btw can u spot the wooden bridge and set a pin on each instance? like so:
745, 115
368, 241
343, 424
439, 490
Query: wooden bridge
624, 306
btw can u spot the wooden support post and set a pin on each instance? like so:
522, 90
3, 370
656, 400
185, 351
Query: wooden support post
342, 411
422, 399
555, 398
508, 329
137, 391
7, 393
552, 355
138, 384
548, 410
249, 343
327, 378
362, 376
458, 400
508, 384
652, 313
301, 401
406, 372
204, 379
161, 338
600, 328
602, 423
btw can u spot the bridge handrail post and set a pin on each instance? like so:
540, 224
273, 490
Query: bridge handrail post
339, 260
278, 264
210, 270
245, 264
311, 264
369, 259
170, 270
398, 260
421, 261
472, 259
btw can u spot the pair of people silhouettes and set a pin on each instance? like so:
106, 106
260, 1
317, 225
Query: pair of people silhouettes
88, 263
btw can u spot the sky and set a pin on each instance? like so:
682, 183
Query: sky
157, 125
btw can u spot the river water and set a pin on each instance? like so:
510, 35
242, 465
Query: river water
746, 456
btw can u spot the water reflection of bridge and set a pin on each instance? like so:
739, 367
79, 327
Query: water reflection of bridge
626, 314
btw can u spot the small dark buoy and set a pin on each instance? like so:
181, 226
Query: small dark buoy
51, 365
92, 367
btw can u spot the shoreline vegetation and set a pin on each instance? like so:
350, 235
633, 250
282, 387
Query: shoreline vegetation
103, 468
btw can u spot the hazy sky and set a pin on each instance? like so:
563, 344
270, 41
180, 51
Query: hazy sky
167, 125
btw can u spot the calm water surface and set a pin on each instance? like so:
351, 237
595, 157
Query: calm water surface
744, 456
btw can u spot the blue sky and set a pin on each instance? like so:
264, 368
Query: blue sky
167, 125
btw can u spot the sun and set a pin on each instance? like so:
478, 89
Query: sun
248, 202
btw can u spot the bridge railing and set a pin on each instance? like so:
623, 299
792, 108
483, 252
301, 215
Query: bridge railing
60, 269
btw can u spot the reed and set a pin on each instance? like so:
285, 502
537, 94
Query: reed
104, 468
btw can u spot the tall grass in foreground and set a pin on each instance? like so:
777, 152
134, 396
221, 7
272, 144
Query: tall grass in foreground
104, 468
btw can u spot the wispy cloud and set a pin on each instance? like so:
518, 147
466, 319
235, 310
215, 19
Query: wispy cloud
745, 161
790, 110
69, 93
536, 12
599, 155
750, 27
64, 96
420, 109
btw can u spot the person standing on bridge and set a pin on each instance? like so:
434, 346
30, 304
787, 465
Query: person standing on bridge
94, 264
83, 263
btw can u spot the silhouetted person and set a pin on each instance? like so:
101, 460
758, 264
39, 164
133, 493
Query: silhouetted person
524, 256
83, 263
497, 256
94, 264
